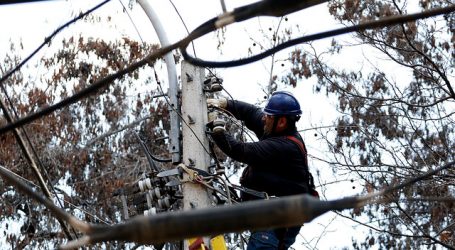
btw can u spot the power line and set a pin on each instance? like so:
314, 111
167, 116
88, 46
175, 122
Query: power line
184, 24
203, 29
387, 21
4, 2
131, 20
48, 40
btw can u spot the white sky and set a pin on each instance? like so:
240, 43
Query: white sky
31, 23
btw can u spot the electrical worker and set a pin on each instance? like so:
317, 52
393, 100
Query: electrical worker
277, 163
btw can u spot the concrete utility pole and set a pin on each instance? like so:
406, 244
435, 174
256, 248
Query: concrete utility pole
195, 142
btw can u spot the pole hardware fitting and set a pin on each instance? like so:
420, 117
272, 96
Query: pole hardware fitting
184, 174
190, 120
189, 78
213, 84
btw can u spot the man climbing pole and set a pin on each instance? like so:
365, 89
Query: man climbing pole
277, 163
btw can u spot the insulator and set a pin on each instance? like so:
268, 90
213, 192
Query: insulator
141, 185
148, 183
164, 203
218, 125
157, 192
215, 87
150, 211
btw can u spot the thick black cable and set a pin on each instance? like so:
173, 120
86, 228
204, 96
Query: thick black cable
102, 83
48, 40
4, 2
243, 13
149, 155
387, 21
205, 28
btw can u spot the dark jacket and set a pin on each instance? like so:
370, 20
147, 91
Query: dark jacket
276, 165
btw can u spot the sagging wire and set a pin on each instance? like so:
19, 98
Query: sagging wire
184, 24
49, 39
386, 21
307, 209
4, 2
243, 13
31, 161
149, 153
219, 22
131, 20
223, 6
24, 147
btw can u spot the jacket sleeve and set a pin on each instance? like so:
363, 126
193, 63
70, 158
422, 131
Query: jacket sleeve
252, 153
250, 114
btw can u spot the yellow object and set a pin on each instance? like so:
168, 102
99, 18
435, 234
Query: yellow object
218, 243
196, 244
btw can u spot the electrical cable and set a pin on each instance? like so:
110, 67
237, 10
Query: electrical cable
387, 21
208, 26
131, 20
48, 40
34, 152
152, 164
149, 155
4, 2
184, 24
203, 29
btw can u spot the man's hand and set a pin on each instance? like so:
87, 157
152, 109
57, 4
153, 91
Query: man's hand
218, 103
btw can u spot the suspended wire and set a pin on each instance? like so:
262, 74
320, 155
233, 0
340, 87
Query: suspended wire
131, 20
184, 24
12, 71
149, 155
207, 27
4, 2
387, 21
49, 39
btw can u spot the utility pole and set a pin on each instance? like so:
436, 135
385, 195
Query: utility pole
195, 142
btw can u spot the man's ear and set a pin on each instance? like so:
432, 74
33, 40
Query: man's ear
282, 123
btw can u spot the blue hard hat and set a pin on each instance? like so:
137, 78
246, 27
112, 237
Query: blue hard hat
282, 103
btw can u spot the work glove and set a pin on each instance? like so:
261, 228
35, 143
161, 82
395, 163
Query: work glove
218, 103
